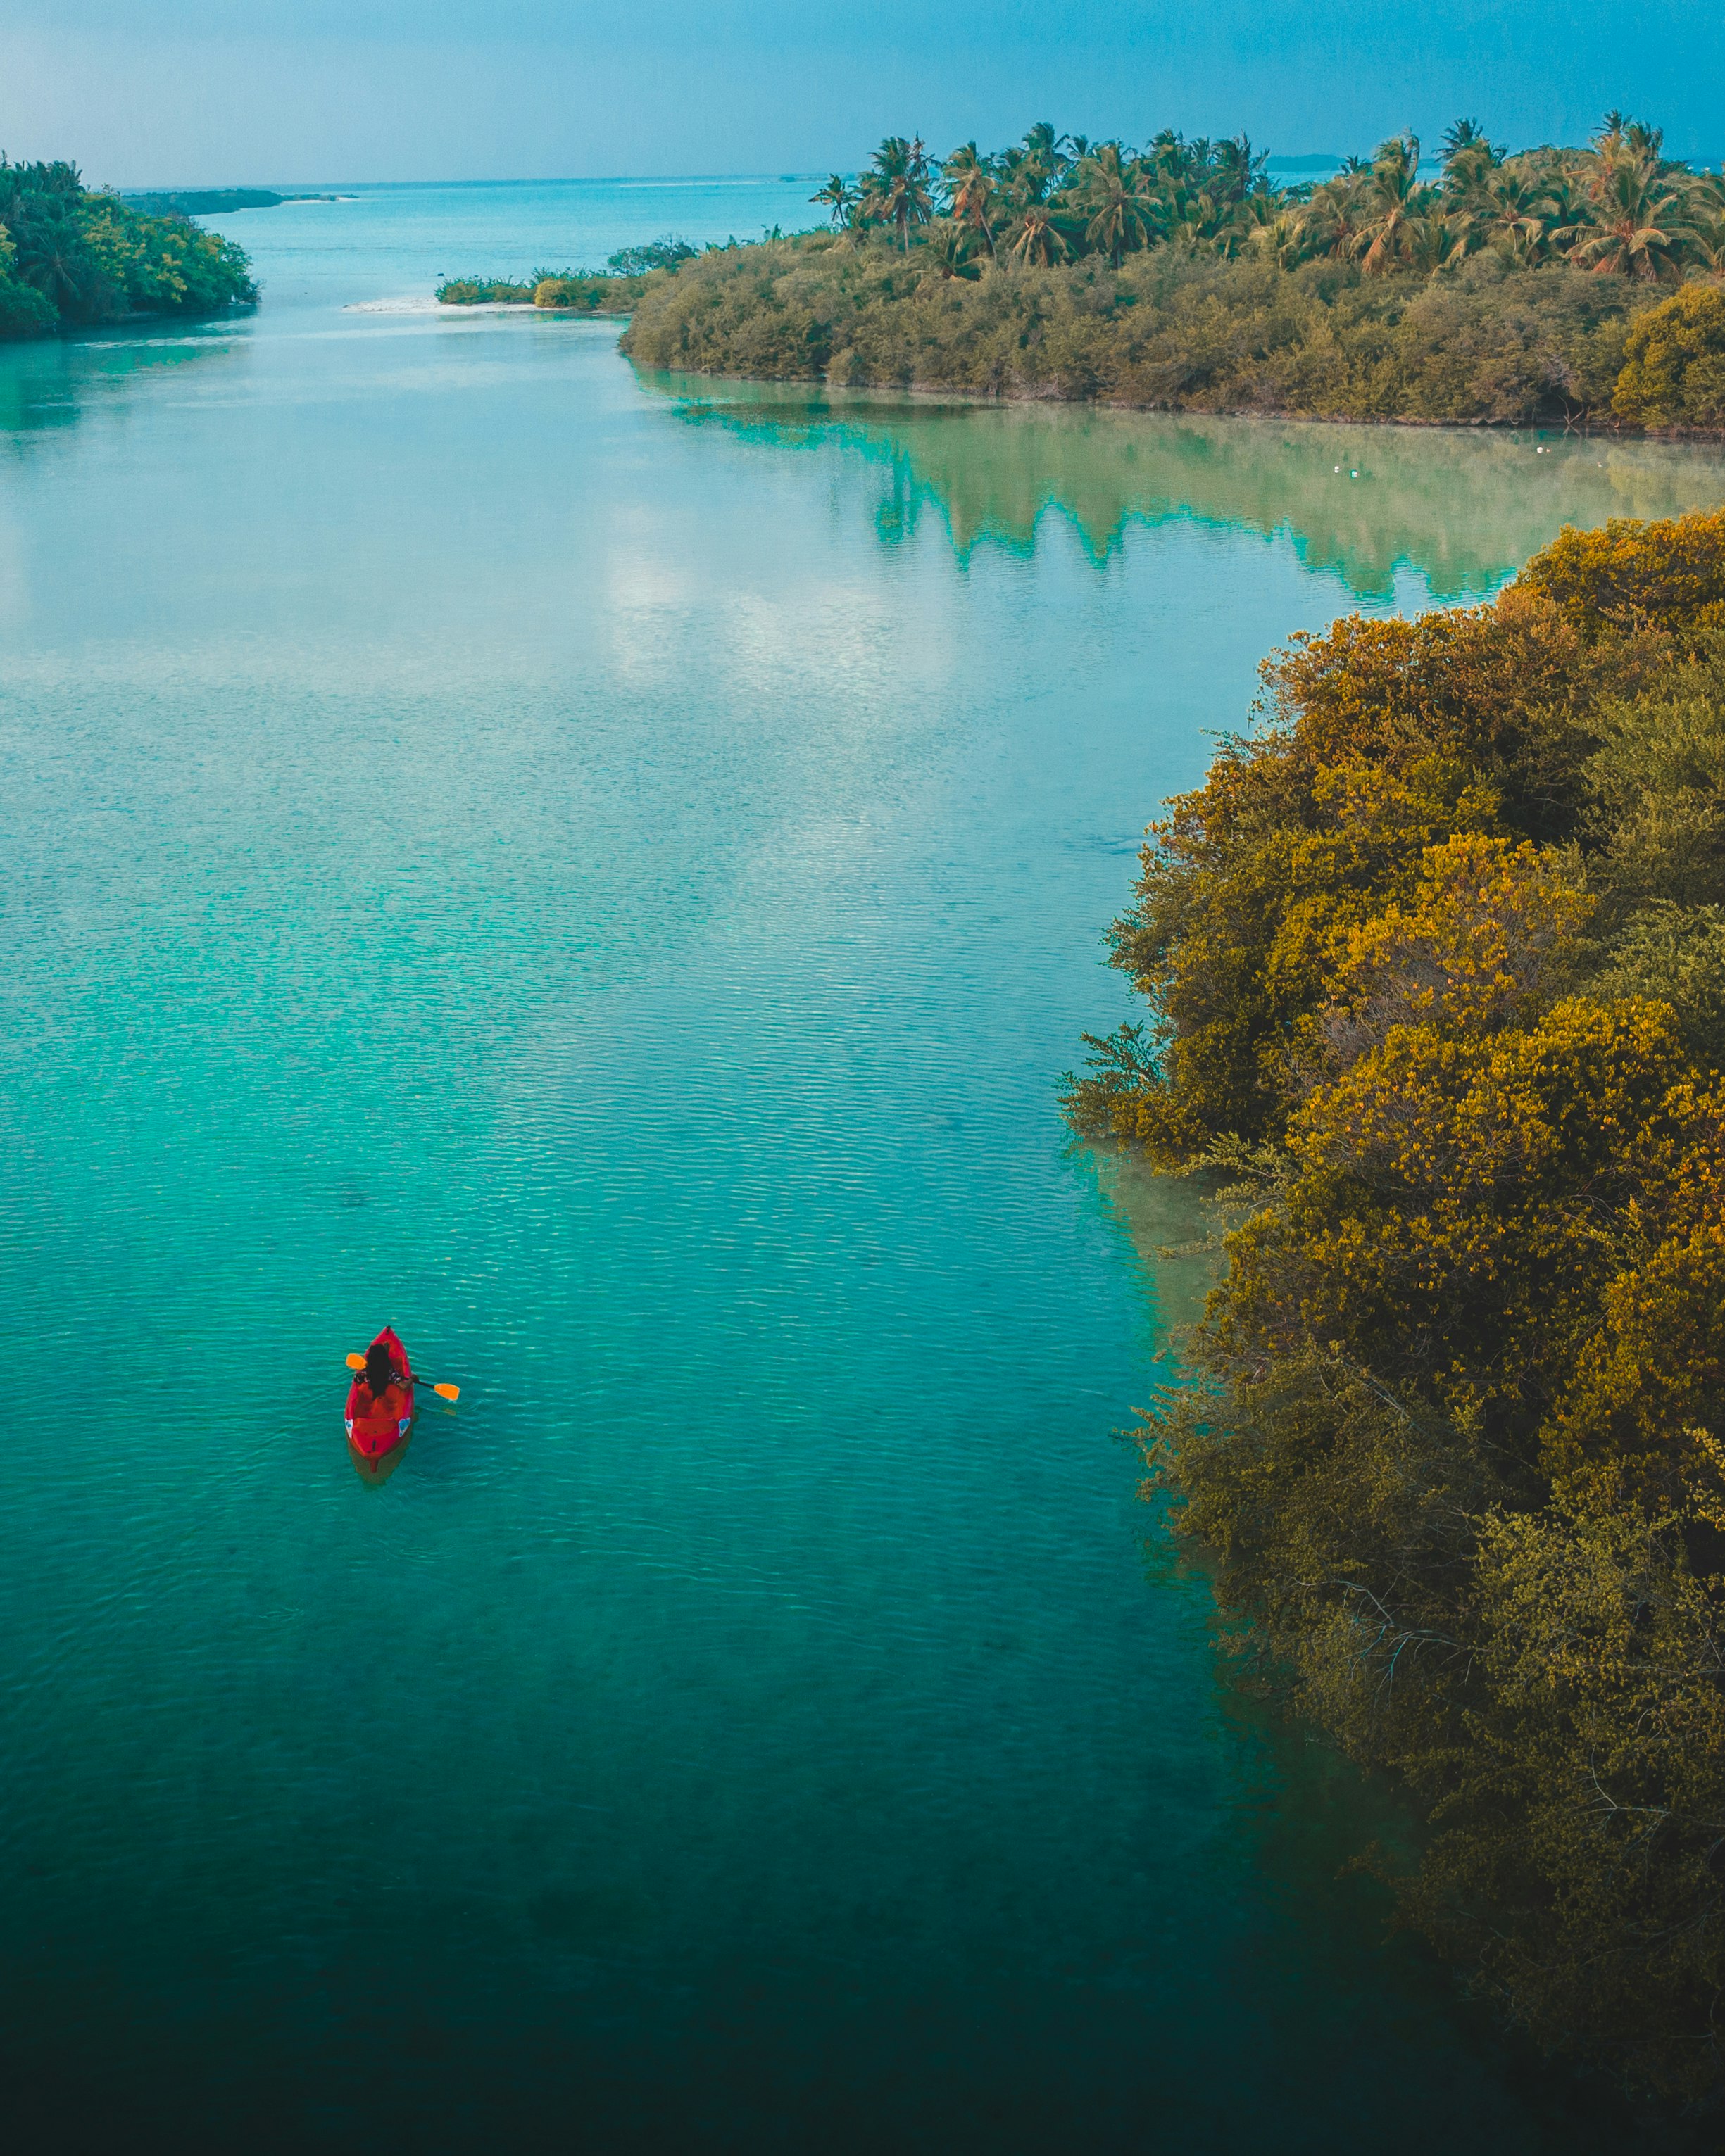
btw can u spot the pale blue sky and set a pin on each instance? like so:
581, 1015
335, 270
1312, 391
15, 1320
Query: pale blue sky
166, 91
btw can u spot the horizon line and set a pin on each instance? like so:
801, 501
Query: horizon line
1286, 158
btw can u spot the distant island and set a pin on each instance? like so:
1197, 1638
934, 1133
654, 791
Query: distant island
615, 289
1505, 290
211, 202
70, 256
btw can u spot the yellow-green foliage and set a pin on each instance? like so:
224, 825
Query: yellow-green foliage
1381, 738
1437, 956
1628, 575
1674, 369
590, 295
1635, 1423
1485, 931
164, 265
1442, 1222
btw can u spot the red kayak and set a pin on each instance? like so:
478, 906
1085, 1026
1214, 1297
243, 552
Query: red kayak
376, 1426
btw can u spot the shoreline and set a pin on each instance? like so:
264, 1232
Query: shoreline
1494, 1447
939, 393
1490, 343
934, 393
76, 333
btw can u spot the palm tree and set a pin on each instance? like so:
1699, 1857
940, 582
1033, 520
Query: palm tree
1281, 237
1565, 182
897, 191
1395, 200
1466, 135
885, 167
51, 253
1038, 237
1516, 214
971, 192
1334, 217
1166, 150
1634, 221
840, 198
1435, 242
951, 248
1706, 208
1110, 191
904, 184
1237, 169
1032, 169
1469, 158
1172, 170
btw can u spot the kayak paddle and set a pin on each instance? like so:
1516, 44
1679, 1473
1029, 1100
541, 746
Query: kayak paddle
443, 1392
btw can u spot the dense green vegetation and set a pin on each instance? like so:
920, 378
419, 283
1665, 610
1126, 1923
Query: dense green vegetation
1179, 276
1436, 968
69, 256
613, 290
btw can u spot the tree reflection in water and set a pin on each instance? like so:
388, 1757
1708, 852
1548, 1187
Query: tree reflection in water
1463, 508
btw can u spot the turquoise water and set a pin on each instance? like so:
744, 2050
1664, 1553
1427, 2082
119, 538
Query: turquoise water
604, 874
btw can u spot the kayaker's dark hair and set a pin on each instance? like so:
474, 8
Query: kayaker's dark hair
380, 1371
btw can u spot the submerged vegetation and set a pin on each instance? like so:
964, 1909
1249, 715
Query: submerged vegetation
69, 256
1181, 276
1434, 962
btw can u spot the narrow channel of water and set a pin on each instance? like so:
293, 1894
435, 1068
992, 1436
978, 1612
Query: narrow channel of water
604, 875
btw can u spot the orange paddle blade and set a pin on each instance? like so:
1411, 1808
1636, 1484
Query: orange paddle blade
356, 1362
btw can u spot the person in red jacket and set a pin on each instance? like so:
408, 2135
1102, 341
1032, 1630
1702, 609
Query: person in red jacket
380, 1401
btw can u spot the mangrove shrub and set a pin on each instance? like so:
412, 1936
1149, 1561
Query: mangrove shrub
1674, 369
1435, 965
